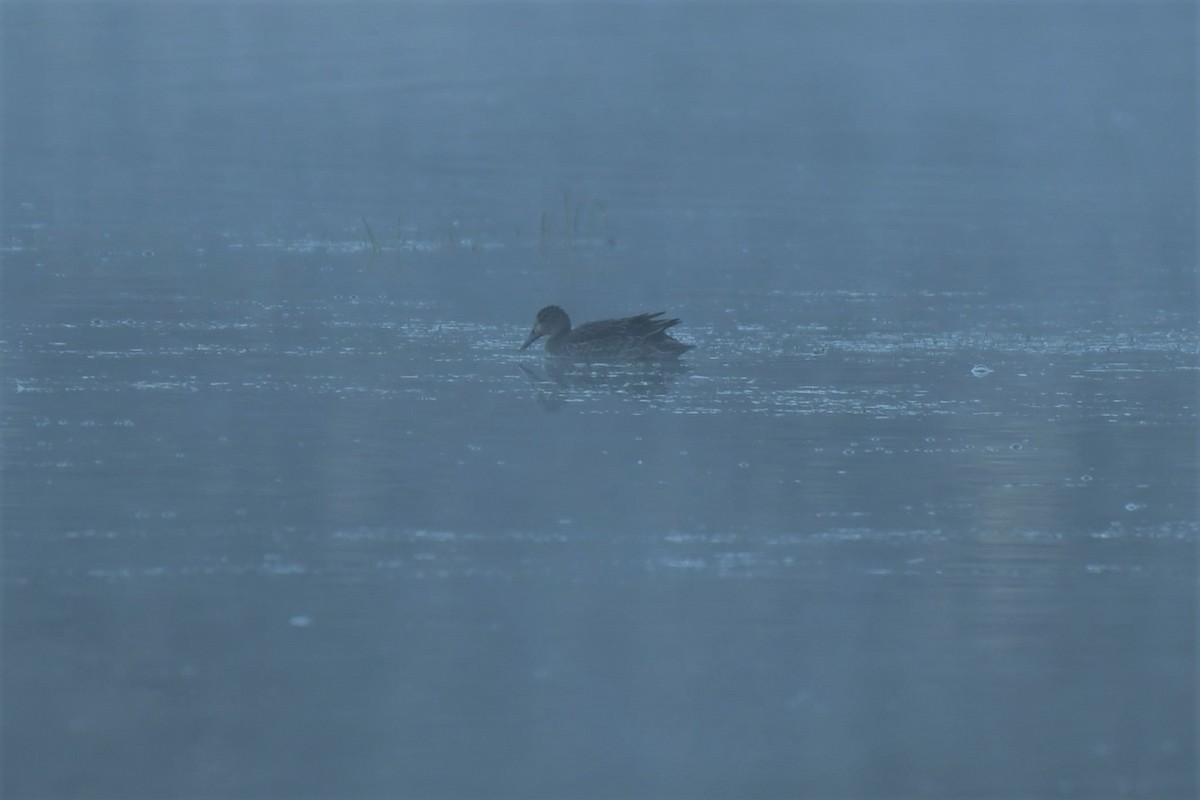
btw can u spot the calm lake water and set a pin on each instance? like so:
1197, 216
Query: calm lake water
286, 513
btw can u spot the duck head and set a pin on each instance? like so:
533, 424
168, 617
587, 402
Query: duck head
551, 321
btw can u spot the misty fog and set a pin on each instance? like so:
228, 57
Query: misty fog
286, 512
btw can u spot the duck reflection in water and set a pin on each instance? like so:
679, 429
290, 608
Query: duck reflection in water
565, 381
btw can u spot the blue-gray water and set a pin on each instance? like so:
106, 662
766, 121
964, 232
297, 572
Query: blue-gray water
285, 513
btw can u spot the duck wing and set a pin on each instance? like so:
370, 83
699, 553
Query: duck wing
624, 328
658, 341
641, 336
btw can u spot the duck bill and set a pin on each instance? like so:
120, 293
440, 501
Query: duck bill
534, 335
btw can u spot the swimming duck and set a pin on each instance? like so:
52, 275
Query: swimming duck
639, 338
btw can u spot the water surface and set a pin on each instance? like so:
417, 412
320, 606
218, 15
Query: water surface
286, 513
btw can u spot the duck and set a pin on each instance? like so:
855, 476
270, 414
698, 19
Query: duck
640, 338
